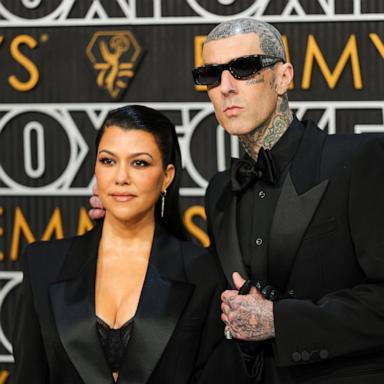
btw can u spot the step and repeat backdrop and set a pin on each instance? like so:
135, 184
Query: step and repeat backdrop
65, 63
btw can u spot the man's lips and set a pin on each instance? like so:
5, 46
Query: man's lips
122, 197
232, 110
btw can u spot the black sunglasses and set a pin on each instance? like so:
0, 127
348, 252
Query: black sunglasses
240, 68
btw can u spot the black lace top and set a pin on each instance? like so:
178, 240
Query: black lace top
114, 341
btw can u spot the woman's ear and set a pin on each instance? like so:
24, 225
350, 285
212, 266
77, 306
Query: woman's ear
169, 176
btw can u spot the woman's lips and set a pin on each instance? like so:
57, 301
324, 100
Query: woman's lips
122, 197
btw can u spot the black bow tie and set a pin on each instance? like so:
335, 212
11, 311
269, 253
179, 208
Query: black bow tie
245, 171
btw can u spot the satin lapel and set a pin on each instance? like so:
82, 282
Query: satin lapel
300, 196
73, 303
226, 237
292, 216
161, 304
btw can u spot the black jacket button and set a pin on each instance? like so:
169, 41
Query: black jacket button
261, 194
315, 356
324, 354
305, 356
296, 357
259, 241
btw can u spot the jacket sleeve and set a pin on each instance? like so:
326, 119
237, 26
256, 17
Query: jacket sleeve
209, 203
347, 322
219, 360
234, 352
30, 358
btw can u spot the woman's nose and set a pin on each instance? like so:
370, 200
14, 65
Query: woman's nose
122, 175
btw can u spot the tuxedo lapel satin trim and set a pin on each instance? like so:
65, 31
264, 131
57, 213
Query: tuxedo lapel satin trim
226, 236
292, 216
73, 304
161, 304
306, 164
300, 196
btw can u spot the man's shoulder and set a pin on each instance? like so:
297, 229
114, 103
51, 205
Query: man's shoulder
353, 145
344, 151
356, 138
346, 141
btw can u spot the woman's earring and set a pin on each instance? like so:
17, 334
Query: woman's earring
163, 194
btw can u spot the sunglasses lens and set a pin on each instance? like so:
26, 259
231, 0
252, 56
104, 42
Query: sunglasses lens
206, 75
240, 68
245, 66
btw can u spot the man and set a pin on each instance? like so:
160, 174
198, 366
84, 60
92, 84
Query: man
301, 216
298, 220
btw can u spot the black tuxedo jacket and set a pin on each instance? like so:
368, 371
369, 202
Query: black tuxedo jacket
176, 328
325, 253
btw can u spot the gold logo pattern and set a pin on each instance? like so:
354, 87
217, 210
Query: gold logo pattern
114, 56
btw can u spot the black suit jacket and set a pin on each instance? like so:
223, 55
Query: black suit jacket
176, 328
326, 254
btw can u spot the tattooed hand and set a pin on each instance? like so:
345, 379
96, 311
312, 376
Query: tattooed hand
249, 317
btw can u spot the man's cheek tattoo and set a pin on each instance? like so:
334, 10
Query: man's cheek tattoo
256, 80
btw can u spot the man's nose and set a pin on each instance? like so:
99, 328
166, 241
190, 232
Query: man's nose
228, 83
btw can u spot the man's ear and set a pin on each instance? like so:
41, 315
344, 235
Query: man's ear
169, 176
284, 79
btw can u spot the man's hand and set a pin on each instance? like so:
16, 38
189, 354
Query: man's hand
97, 210
248, 317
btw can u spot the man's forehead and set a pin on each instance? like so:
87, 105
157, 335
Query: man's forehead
270, 41
228, 48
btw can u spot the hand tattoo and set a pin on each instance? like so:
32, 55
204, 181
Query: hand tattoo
251, 318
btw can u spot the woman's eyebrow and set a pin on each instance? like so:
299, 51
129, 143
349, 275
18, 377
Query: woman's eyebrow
130, 156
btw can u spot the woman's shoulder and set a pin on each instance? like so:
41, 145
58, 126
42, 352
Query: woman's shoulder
44, 261
44, 250
41, 261
57, 246
48, 253
41, 248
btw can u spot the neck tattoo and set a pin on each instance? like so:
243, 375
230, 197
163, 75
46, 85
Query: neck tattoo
269, 133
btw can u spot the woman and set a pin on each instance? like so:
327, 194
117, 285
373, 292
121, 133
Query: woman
130, 301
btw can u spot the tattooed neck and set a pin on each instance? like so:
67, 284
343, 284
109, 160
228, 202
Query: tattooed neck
269, 133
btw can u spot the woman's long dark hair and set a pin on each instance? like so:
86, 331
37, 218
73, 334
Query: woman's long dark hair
163, 130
